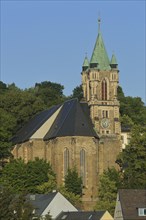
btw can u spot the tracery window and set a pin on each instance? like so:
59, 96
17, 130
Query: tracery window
104, 90
83, 166
66, 161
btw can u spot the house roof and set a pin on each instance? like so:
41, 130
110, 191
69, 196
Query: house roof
81, 215
72, 118
41, 201
131, 200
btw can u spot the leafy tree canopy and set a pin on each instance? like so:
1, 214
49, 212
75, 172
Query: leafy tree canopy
78, 92
21, 177
133, 107
109, 184
70, 196
73, 183
132, 160
14, 207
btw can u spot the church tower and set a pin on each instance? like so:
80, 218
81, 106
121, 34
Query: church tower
100, 81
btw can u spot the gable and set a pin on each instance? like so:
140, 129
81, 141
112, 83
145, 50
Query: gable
131, 200
57, 205
106, 216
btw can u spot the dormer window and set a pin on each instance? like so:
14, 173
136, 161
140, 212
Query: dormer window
141, 211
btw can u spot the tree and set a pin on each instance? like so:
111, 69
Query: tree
21, 177
78, 92
8, 123
132, 160
71, 197
51, 93
14, 207
108, 188
126, 121
73, 183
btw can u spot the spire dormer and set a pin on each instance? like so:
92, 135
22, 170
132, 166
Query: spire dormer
113, 62
85, 65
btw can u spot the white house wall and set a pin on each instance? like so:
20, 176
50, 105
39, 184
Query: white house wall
118, 210
57, 205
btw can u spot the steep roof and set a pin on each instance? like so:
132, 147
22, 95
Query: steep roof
41, 201
113, 60
33, 125
86, 62
99, 55
131, 200
72, 121
69, 119
82, 215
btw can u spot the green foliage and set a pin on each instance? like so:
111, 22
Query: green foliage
133, 107
73, 183
126, 121
21, 177
14, 207
78, 92
50, 93
108, 188
120, 94
48, 186
7, 124
71, 197
133, 160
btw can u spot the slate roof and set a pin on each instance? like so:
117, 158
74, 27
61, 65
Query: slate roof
33, 125
131, 200
72, 120
81, 215
41, 201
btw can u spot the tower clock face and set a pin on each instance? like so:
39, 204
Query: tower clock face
105, 122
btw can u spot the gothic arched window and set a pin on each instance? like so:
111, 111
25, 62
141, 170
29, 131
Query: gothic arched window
83, 165
66, 161
104, 90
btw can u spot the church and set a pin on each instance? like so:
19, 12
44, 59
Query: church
84, 134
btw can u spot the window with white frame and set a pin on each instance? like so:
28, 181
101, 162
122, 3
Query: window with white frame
141, 211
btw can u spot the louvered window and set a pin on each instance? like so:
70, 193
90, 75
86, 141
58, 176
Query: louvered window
104, 90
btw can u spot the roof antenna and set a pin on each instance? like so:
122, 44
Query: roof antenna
99, 21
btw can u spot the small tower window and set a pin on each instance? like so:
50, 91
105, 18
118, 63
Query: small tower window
105, 114
104, 90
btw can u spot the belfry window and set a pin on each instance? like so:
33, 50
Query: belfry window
66, 161
83, 166
104, 90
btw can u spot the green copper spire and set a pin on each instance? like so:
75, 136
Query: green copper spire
99, 56
85, 63
113, 62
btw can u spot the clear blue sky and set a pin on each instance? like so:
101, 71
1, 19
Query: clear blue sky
47, 41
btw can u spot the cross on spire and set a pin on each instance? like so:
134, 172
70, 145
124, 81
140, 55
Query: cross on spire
99, 21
